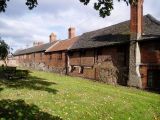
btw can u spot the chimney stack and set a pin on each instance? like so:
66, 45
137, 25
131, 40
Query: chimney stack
136, 31
137, 18
71, 32
53, 37
34, 43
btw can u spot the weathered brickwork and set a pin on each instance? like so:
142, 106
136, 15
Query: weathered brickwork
136, 31
53, 62
127, 53
150, 57
134, 76
88, 64
81, 63
56, 62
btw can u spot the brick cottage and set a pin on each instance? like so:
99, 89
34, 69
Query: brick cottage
127, 53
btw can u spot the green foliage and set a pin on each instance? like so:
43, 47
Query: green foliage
103, 6
3, 5
4, 50
106, 6
30, 3
72, 98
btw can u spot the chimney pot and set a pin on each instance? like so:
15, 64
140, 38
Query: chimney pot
53, 37
37, 43
71, 32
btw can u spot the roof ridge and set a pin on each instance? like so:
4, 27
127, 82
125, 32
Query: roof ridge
153, 19
37, 46
70, 38
53, 45
107, 26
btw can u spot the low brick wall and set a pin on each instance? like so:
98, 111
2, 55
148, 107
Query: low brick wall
10, 62
43, 67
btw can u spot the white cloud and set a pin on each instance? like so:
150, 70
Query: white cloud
20, 26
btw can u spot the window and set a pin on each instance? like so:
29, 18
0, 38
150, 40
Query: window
153, 79
24, 56
30, 56
83, 53
120, 49
41, 55
59, 55
154, 47
122, 55
157, 47
99, 51
150, 79
70, 54
50, 57
34, 55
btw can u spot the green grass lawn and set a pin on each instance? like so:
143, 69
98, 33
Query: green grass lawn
51, 96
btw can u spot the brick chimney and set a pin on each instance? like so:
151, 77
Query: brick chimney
53, 37
137, 19
136, 31
34, 43
71, 32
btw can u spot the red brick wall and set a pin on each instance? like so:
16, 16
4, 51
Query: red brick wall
90, 57
56, 59
136, 17
83, 60
143, 71
87, 57
75, 58
150, 52
38, 57
150, 59
89, 73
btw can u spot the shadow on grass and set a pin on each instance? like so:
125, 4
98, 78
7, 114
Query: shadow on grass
157, 91
19, 110
31, 82
1, 89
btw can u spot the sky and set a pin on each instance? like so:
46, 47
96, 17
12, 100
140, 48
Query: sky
20, 27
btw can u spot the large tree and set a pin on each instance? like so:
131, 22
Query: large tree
103, 6
4, 50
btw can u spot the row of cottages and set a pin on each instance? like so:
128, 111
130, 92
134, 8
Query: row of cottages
51, 56
127, 53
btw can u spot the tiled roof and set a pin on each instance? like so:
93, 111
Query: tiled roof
34, 49
116, 34
62, 45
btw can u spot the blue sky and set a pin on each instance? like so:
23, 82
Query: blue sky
20, 27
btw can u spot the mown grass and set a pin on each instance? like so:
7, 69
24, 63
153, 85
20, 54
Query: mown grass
52, 96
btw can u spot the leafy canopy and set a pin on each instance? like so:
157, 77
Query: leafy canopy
4, 50
103, 6
30, 3
106, 6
